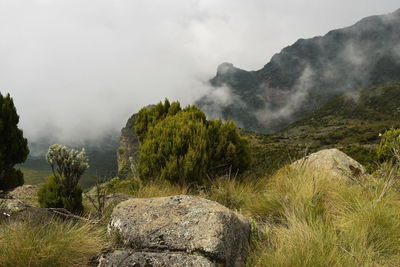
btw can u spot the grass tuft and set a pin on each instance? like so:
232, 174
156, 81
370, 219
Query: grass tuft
55, 243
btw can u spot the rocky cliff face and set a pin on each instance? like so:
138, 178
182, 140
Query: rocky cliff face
306, 74
128, 148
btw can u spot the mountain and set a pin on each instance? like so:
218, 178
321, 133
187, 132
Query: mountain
305, 75
351, 122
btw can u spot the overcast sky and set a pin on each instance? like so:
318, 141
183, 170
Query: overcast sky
79, 67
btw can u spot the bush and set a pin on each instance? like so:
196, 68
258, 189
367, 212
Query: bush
13, 145
56, 243
148, 117
389, 147
52, 195
184, 147
62, 188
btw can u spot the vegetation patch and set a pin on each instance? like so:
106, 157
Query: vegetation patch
53, 244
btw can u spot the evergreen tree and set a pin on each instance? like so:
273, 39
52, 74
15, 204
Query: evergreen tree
13, 145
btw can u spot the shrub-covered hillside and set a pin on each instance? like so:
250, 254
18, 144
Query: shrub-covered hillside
350, 122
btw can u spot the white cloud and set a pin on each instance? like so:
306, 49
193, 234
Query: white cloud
78, 67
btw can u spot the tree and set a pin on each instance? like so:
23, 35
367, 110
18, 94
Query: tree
13, 145
67, 165
184, 147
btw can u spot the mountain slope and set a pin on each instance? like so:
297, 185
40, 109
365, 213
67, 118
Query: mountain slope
351, 122
308, 73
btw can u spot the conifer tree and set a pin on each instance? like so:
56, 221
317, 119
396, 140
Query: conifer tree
13, 145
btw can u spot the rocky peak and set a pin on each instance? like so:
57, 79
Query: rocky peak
311, 71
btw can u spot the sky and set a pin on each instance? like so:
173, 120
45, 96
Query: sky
78, 69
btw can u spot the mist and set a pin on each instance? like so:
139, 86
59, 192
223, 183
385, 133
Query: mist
78, 69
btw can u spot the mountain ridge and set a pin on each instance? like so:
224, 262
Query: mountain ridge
306, 74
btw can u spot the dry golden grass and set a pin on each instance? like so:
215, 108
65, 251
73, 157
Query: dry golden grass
316, 220
55, 243
307, 217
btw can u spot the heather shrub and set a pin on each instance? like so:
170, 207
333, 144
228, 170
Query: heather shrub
183, 147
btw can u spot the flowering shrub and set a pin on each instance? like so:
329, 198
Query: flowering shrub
62, 189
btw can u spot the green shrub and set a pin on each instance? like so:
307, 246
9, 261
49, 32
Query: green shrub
389, 147
52, 195
148, 117
67, 165
184, 147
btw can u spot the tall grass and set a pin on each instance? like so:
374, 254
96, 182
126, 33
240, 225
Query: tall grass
317, 220
308, 217
55, 243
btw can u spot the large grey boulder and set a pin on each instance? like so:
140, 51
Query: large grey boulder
184, 224
335, 162
127, 258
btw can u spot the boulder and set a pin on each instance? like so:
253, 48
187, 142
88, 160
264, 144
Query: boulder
334, 161
16, 210
12, 205
25, 193
184, 224
127, 258
20, 205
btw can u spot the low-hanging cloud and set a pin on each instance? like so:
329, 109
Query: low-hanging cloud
79, 68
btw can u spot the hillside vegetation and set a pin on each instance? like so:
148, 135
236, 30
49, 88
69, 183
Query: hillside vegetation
350, 122
303, 216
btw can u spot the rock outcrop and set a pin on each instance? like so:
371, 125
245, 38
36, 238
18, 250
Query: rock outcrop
177, 231
334, 161
20, 204
128, 148
129, 258
25, 193
306, 74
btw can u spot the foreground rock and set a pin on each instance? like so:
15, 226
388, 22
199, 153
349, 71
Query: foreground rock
335, 162
191, 229
18, 205
127, 258
26, 193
